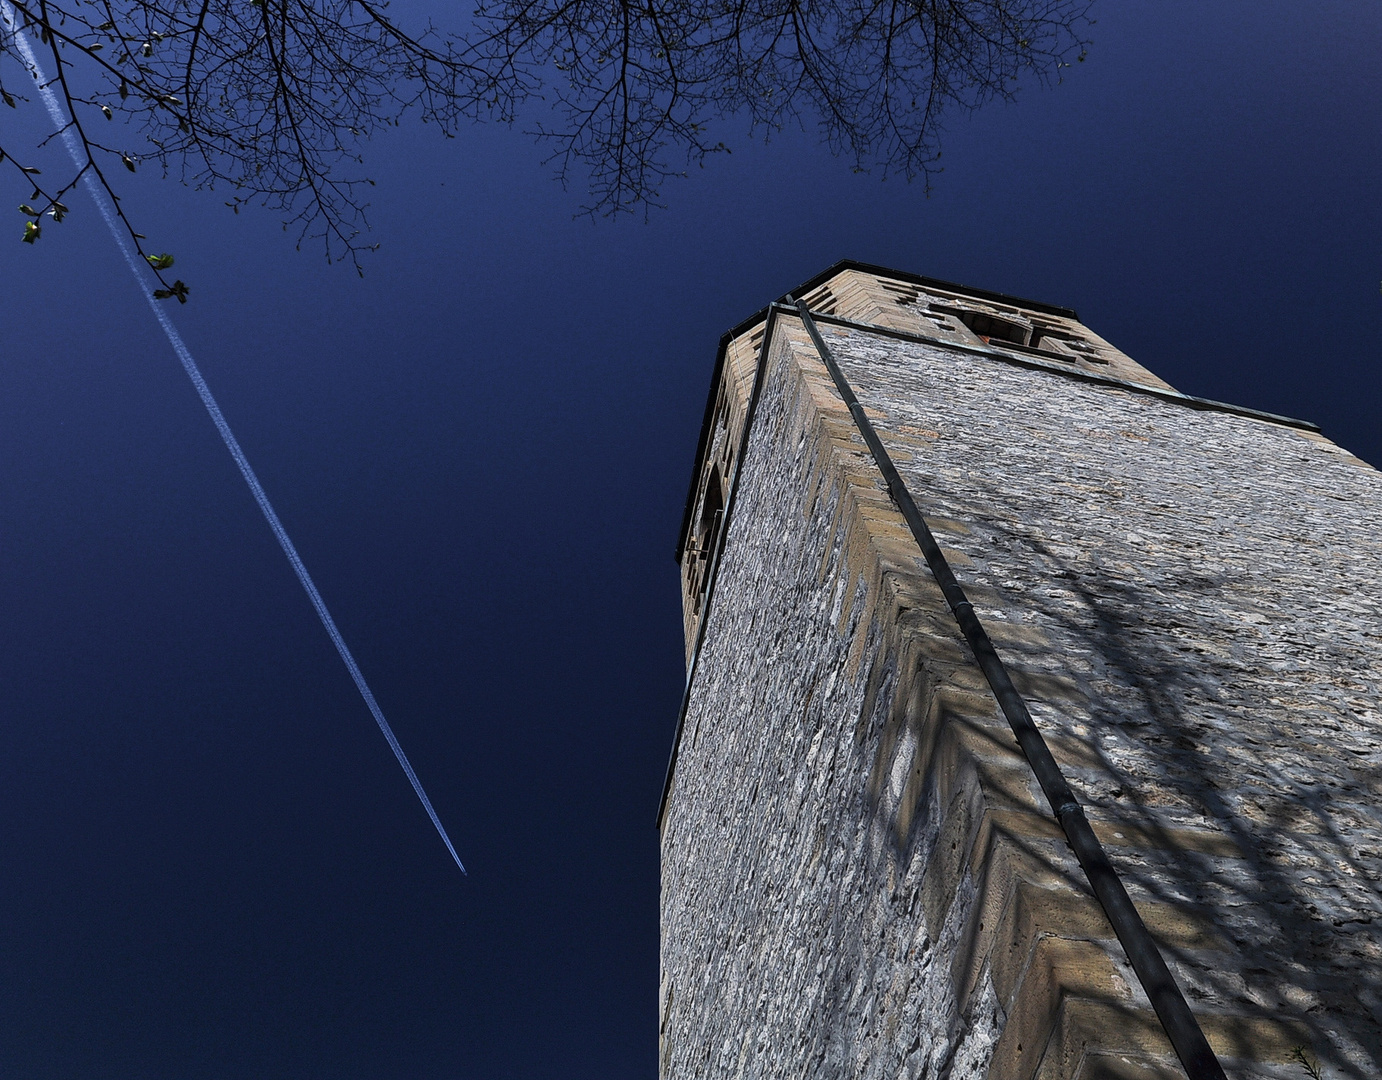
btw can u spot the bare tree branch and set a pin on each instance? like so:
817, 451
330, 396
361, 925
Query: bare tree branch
268, 100
271, 100
637, 84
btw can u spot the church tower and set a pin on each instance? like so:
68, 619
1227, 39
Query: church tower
1033, 721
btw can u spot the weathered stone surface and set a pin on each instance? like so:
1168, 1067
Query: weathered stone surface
784, 939
1213, 586
859, 875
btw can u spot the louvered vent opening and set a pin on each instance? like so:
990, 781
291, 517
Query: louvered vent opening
707, 536
994, 327
1062, 342
902, 293
822, 301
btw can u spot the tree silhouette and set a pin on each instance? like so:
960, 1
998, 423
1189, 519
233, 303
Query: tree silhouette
270, 101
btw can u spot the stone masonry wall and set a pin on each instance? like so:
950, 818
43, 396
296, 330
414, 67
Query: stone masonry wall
785, 952
1212, 586
859, 876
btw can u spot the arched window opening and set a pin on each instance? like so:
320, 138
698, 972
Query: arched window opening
712, 509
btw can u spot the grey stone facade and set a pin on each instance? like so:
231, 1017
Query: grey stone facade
860, 877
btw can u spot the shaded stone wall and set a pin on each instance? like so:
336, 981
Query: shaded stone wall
1212, 584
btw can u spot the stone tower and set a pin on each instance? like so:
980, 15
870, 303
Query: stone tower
868, 867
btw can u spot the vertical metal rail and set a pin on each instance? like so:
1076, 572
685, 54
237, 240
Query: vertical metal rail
1171, 1008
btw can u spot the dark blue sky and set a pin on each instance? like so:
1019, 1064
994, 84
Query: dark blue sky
211, 865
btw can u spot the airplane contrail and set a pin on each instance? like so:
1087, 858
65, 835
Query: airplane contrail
189, 365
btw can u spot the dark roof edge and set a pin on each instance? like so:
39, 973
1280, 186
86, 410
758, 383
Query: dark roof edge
916, 279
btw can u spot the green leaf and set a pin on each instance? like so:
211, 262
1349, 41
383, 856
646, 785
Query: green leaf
105, 111
25, 208
129, 161
177, 289
8, 99
160, 262
32, 232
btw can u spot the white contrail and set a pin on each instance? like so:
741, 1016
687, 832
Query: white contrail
55, 112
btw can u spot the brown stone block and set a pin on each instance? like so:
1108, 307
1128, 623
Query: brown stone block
888, 533
968, 676
1043, 686
1100, 1031
1115, 1066
975, 811
957, 559
1254, 1038
1125, 834
1001, 862
944, 869
1068, 910
1011, 797
989, 835
1012, 635
1090, 1028
990, 750
1038, 911
893, 540
1060, 973
945, 650
973, 703
948, 526
916, 582
1081, 753
1031, 825
862, 472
